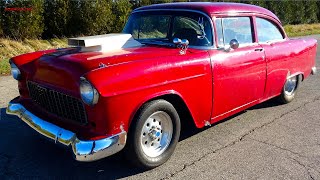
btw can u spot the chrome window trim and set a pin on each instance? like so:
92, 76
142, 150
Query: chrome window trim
188, 10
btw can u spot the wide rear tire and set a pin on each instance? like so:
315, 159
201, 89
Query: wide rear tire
289, 89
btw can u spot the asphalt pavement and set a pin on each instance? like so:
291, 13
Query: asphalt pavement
267, 141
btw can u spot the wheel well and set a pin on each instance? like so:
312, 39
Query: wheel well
181, 107
178, 103
302, 77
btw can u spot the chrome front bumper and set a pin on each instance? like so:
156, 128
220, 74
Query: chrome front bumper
83, 150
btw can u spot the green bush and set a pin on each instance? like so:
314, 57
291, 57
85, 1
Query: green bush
21, 24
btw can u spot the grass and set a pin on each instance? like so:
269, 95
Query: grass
10, 48
302, 29
4, 67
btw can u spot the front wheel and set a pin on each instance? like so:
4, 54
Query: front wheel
289, 89
154, 134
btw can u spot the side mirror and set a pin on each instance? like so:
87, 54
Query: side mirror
176, 41
234, 44
181, 44
184, 42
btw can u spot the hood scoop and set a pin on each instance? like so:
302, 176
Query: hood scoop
104, 43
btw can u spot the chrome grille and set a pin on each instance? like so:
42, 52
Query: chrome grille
57, 103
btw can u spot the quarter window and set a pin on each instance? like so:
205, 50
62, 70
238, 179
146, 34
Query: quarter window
238, 28
267, 31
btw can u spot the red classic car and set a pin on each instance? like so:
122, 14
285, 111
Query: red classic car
132, 90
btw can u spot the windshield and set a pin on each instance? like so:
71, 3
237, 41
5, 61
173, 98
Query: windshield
163, 27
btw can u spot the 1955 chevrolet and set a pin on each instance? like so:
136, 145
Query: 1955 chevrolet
132, 90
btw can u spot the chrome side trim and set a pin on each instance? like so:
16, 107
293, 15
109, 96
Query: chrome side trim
314, 70
83, 150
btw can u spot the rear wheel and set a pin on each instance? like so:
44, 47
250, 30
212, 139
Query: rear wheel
154, 134
289, 89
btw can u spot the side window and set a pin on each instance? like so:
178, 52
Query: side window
196, 29
267, 31
238, 28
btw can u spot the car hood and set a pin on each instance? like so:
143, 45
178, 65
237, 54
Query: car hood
64, 68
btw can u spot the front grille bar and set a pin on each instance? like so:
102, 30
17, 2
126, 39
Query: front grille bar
57, 103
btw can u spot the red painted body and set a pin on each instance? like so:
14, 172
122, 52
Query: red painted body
212, 83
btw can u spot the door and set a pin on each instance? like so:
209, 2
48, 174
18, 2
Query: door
239, 75
277, 51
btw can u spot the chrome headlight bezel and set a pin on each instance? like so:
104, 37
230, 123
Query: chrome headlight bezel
15, 72
88, 92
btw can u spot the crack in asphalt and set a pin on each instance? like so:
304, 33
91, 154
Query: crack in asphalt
279, 117
185, 166
304, 166
278, 147
307, 168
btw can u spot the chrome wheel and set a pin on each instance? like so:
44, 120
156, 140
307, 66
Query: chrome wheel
156, 134
290, 86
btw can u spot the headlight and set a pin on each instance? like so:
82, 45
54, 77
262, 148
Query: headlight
15, 72
89, 94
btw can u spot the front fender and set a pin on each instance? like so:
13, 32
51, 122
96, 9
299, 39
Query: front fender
28, 57
124, 88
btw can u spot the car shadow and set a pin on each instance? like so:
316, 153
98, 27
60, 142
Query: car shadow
269, 103
24, 153
189, 128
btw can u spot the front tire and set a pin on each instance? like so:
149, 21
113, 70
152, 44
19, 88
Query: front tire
153, 135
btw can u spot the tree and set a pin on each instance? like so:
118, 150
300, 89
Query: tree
2, 6
96, 17
298, 12
257, 2
311, 11
56, 18
24, 22
279, 8
90, 17
318, 5
121, 10
74, 22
